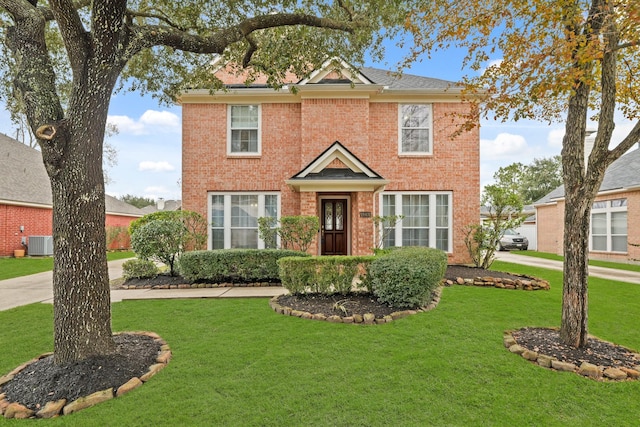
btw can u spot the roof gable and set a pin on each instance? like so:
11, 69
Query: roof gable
335, 70
330, 157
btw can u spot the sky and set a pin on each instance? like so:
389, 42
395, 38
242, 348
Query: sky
149, 138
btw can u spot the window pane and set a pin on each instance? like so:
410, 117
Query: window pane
328, 216
618, 203
244, 211
244, 116
599, 243
415, 208
619, 243
244, 239
415, 237
415, 140
388, 209
244, 141
271, 206
599, 205
619, 223
442, 239
217, 211
599, 224
442, 210
339, 225
415, 116
217, 238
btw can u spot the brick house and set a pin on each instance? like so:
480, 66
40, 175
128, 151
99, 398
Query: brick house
338, 145
26, 204
615, 214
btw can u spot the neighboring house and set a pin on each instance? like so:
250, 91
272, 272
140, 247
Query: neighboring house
615, 215
26, 204
340, 146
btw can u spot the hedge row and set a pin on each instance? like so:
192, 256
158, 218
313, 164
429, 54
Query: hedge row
401, 278
234, 265
322, 274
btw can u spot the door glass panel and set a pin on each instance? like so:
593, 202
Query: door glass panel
339, 225
328, 216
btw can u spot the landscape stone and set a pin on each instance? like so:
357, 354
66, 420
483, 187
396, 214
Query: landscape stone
133, 383
589, 370
530, 355
153, 369
563, 366
369, 318
88, 401
545, 361
164, 357
508, 341
18, 411
615, 374
357, 318
517, 349
631, 373
51, 409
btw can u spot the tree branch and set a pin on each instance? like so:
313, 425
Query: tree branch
48, 13
630, 140
73, 32
107, 19
161, 16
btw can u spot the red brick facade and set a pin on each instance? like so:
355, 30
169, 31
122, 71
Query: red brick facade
37, 221
297, 128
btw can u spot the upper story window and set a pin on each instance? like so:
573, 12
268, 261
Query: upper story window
415, 129
609, 226
244, 130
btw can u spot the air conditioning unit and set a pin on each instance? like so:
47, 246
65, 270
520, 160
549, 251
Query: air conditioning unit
40, 245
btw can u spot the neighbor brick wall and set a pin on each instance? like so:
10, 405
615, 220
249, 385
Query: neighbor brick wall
549, 223
36, 222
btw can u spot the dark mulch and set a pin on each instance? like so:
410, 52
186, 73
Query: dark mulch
43, 382
160, 279
338, 305
600, 353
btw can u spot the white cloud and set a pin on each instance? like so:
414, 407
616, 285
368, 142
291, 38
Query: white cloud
554, 137
162, 166
504, 146
151, 122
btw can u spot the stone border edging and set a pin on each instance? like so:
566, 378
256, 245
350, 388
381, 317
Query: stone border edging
525, 283
589, 370
60, 407
365, 319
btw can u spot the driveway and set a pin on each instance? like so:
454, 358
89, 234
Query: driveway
601, 272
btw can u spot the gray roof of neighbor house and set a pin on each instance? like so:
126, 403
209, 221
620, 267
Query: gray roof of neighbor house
169, 205
404, 80
621, 174
25, 180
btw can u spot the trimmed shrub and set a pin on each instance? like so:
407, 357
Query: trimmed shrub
160, 240
233, 265
407, 277
322, 274
139, 269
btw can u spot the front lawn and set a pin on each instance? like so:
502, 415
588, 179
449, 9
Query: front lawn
17, 267
235, 362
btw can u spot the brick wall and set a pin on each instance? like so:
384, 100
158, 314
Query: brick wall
38, 222
293, 134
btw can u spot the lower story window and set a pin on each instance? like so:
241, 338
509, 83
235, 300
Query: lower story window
234, 218
426, 220
609, 226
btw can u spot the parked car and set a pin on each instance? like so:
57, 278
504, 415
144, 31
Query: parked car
511, 239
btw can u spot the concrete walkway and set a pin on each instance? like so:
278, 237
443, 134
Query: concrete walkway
601, 272
39, 288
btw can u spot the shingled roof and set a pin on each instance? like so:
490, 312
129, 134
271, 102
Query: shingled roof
404, 80
25, 180
621, 174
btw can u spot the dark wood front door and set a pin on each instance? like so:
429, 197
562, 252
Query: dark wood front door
334, 227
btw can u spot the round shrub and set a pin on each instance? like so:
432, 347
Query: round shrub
160, 240
407, 277
139, 269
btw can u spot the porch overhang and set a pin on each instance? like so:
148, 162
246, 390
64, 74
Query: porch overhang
337, 185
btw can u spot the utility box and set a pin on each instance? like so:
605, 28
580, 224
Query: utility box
40, 246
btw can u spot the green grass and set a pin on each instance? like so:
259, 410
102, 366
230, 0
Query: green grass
594, 262
236, 362
17, 267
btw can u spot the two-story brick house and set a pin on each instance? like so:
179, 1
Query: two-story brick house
337, 145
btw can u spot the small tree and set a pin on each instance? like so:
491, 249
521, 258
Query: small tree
296, 232
382, 227
194, 236
159, 240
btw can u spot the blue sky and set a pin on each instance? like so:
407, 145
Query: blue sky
149, 138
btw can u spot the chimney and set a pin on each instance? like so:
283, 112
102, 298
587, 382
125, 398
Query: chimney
160, 204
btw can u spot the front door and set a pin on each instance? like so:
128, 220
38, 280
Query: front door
334, 227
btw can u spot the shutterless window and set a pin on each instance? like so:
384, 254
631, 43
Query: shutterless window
234, 219
244, 129
427, 219
415, 129
609, 226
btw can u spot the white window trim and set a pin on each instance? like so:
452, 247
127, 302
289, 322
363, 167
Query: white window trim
227, 214
608, 210
415, 153
244, 154
432, 214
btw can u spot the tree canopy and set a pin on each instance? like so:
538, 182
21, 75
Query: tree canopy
534, 180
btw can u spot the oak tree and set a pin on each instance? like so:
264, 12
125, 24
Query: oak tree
62, 61
555, 60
